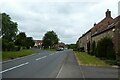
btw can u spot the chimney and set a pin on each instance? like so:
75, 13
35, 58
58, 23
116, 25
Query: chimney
94, 24
108, 13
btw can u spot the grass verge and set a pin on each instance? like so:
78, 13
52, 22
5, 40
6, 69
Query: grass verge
86, 59
15, 54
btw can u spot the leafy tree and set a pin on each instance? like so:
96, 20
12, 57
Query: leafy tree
9, 31
72, 46
9, 28
21, 40
30, 42
0, 25
50, 39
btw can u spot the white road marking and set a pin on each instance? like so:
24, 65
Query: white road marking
14, 67
60, 71
40, 58
50, 54
82, 73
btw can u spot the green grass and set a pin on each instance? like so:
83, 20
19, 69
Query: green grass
15, 54
86, 59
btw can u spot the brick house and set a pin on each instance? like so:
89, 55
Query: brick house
117, 37
84, 40
38, 43
108, 27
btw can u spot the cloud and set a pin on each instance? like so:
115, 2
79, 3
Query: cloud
68, 18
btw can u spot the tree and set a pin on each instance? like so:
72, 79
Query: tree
50, 39
9, 31
9, 28
30, 42
21, 40
72, 46
10, 40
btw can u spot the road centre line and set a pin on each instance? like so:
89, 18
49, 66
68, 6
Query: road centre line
40, 58
60, 71
51, 54
14, 67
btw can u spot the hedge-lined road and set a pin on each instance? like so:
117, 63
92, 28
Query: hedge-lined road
53, 64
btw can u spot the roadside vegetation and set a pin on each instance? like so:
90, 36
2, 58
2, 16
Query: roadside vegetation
12, 38
14, 43
86, 59
98, 53
6, 55
71, 46
104, 49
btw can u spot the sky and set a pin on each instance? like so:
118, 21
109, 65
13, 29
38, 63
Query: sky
69, 19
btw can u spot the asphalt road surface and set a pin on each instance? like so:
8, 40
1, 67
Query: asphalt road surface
53, 64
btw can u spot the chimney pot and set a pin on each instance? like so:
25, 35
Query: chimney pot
108, 13
94, 24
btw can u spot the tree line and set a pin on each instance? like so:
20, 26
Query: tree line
11, 39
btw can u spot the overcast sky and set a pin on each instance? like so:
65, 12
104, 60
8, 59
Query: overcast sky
68, 18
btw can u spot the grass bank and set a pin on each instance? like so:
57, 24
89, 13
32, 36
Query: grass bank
15, 54
86, 59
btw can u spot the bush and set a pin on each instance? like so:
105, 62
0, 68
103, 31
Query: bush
88, 47
4, 44
17, 48
82, 49
105, 49
119, 51
7, 46
93, 48
10, 46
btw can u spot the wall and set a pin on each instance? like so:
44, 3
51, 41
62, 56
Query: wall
84, 40
109, 33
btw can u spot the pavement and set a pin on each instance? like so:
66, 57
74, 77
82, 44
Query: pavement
53, 64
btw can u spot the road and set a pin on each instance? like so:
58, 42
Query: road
53, 64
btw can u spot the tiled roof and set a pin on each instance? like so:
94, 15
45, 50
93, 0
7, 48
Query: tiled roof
38, 41
102, 25
108, 27
105, 24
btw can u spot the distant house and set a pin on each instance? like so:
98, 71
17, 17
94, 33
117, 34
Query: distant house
38, 43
